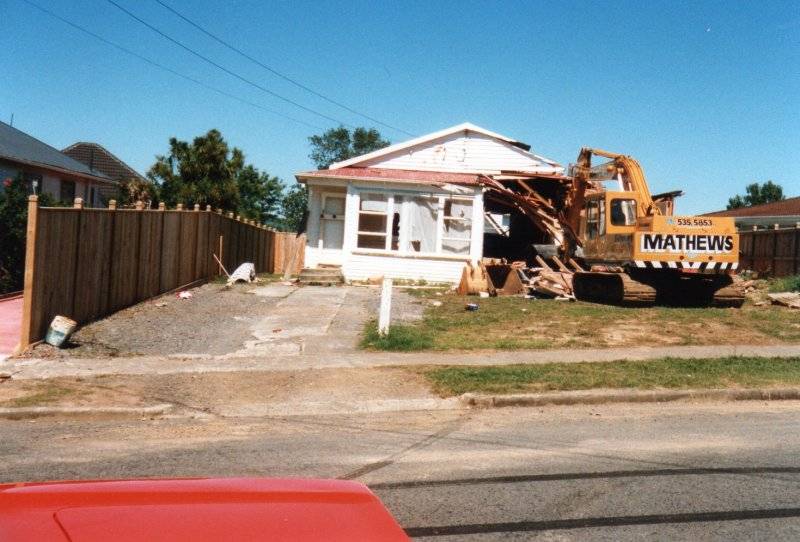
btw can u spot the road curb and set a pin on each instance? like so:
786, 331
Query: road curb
594, 397
20, 413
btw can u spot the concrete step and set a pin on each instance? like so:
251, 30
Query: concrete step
325, 276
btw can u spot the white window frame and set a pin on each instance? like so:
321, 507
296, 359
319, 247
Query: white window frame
467, 219
405, 224
387, 241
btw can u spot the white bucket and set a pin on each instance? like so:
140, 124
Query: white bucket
60, 329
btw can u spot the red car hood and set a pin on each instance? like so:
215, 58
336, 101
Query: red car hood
234, 509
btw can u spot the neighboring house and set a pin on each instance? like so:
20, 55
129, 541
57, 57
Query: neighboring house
48, 170
785, 213
413, 210
101, 159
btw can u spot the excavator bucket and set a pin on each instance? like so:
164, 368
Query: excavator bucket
494, 277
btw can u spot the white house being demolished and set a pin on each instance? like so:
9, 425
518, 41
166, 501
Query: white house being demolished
422, 209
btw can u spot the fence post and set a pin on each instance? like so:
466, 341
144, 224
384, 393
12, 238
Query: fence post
77, 203
775, 229
30, 257
196, 242
796, 248
384, 315
112, 206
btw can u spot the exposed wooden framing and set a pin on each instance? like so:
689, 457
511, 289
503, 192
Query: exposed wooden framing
561, 265
543, 263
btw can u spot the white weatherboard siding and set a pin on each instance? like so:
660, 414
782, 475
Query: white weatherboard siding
461, 152
361, 264
364, 266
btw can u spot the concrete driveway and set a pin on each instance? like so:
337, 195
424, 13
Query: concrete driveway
243, 322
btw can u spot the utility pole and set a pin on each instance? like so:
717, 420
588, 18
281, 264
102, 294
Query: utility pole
12, 120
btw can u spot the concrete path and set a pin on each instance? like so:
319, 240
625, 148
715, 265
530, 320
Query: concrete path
10, 322
50, 368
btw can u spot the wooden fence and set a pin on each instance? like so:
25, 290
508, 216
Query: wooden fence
774, 252
87, 263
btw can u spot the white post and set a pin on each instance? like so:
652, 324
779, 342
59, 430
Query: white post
384, 316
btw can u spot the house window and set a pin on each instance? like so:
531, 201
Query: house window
424, 224
457, 226
67, 191
423, 213
372, 220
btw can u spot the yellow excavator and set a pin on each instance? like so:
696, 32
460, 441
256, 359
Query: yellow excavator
636, 251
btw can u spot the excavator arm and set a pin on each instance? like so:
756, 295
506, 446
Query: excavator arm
624, 168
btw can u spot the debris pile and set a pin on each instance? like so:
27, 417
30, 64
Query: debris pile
491, 277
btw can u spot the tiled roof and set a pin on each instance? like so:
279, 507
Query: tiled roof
101, 159
17, 146
393, 175
787, 207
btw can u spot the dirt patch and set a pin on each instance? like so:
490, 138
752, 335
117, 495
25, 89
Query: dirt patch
231, 393
64, 392
215, 320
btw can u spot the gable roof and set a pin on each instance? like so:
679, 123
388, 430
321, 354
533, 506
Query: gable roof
17, 146
101, 159
392, 175
374, 159
786, 207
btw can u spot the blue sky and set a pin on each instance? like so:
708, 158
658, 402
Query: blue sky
705, 94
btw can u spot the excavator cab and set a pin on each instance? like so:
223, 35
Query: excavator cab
608, 222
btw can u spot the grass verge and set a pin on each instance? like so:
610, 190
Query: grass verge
42, 394
401, 338
666, 373
513, 323
784, 284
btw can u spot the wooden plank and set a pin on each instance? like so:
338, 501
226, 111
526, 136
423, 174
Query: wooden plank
170, 250
93, 259
186, 247
561, 265
201, 246
57, 231
150, 248
543, 263
124, 260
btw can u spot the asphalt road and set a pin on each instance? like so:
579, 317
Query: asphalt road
615, 472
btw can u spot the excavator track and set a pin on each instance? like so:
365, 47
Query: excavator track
643, 289
612, 288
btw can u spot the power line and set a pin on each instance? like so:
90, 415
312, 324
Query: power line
223, 68
276, 72
165, 68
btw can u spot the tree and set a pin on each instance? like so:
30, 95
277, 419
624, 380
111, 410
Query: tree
209, 172
294, 208
339, 144
13, 229
204, 171
757, 194
260, 195
137, 189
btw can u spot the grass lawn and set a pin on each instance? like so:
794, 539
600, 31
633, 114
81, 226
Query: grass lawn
670, 373
508, 323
